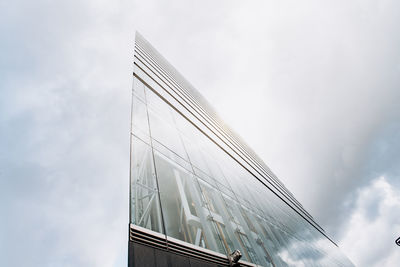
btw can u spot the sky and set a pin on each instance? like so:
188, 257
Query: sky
312, 86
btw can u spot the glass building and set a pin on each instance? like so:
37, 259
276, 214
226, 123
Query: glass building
198, 192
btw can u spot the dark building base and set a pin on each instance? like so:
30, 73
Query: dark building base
145, 256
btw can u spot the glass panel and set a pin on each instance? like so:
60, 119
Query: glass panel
268, 241
138, 89
213, 201
249, 251
201, 150
140, 125
163, 127
171, 155
145, 205
195, 152
185, 216
159, 107
250, 240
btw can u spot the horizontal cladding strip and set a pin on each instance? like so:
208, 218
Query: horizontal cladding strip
229, 138
146, 231
238, 161
152, 238
147, 239
248, 159
202, 250
310, 221
288, 196
228, 133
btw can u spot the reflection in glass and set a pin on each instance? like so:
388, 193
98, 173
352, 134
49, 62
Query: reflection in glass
145, 206
140, 125
138, 89
207, 198
185, 217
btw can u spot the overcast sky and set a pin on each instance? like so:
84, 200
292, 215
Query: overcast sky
313, 87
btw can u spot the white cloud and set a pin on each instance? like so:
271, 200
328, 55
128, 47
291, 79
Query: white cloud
373, 226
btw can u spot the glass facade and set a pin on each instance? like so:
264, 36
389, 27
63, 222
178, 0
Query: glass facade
194, 182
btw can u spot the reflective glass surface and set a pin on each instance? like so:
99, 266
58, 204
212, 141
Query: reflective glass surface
185, 186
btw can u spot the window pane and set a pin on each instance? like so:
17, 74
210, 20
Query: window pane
164, 131
140, 126
138, 89
185, 216
145, 205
